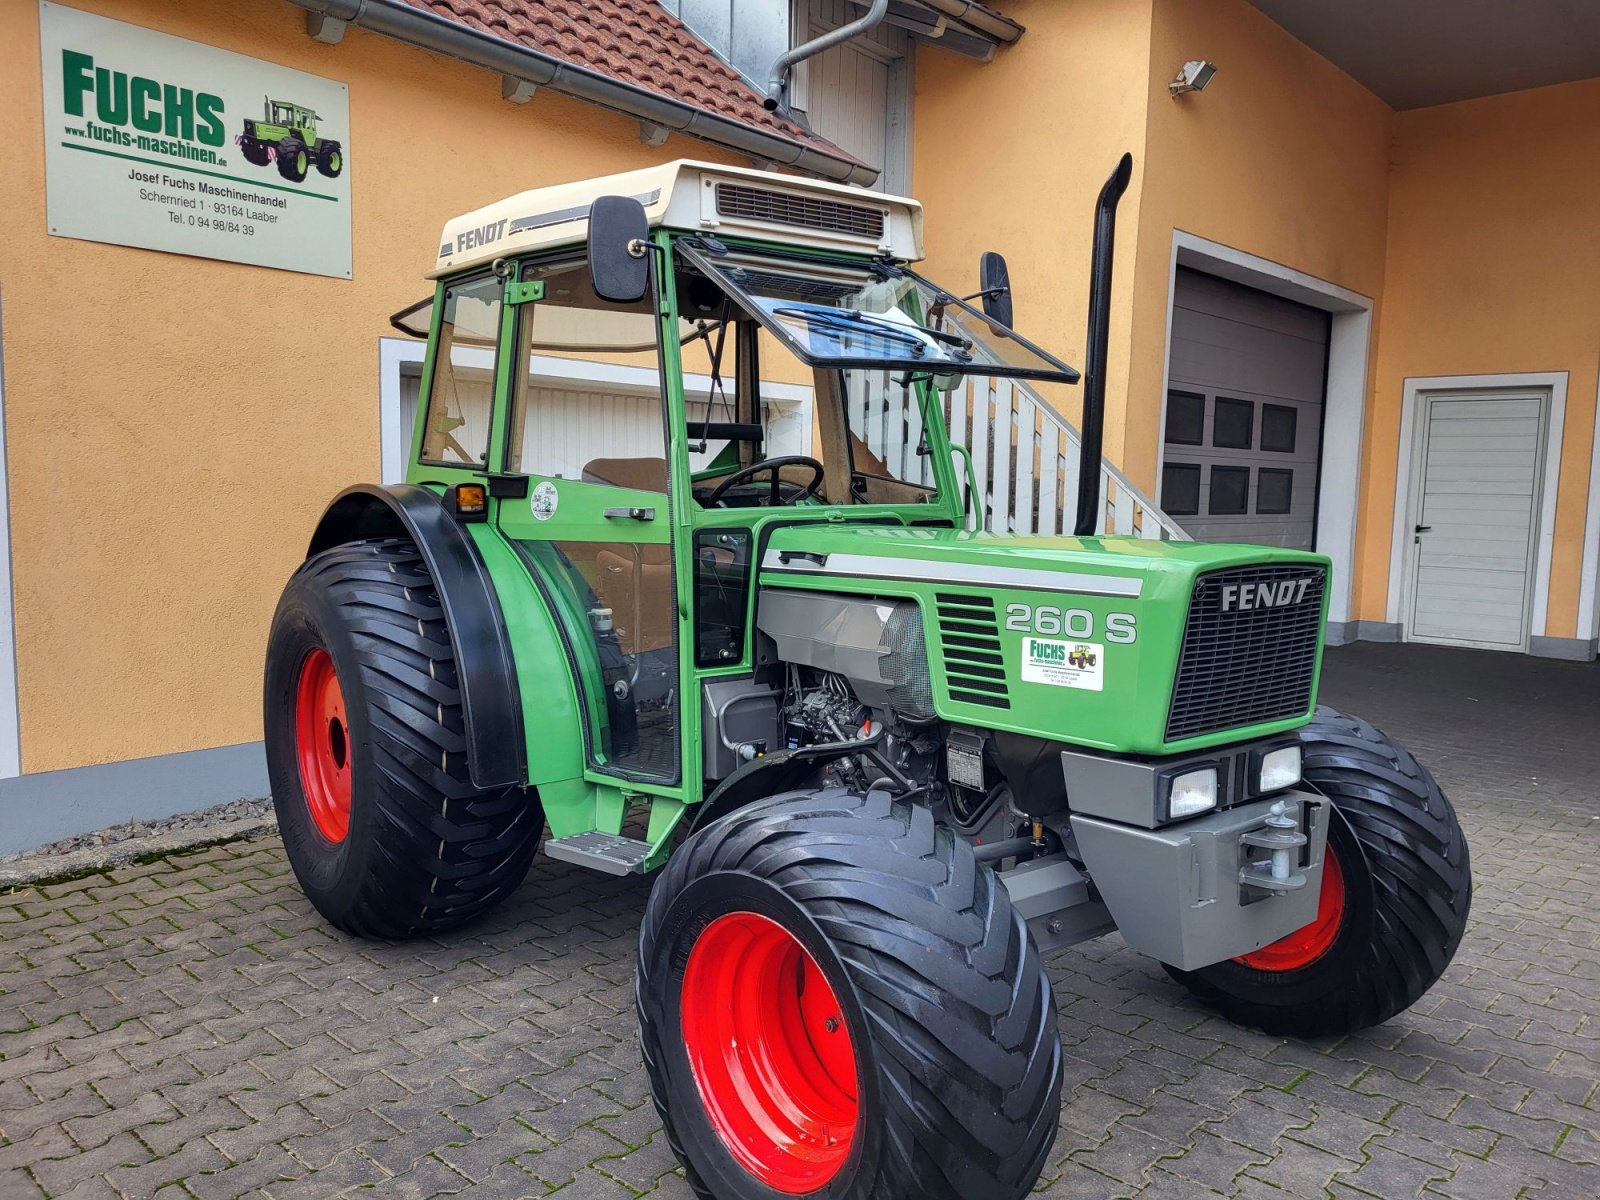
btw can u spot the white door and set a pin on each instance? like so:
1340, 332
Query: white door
1475, 518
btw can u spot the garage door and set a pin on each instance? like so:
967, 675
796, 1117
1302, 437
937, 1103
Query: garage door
1244, 414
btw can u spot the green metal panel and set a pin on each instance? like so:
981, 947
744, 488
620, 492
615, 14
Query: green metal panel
1128, 714
550, 706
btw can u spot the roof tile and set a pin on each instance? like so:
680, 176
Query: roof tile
636, 41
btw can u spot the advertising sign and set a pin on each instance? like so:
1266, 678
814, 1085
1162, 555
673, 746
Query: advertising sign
167, 144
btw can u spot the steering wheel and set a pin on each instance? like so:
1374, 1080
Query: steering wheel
771, 466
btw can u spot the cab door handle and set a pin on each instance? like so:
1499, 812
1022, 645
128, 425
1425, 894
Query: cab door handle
631, 514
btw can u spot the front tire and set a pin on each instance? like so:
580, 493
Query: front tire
293, 161
1396, 890
837, 1000
366, 752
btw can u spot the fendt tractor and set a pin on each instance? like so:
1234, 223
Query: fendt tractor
689, 575
287, 135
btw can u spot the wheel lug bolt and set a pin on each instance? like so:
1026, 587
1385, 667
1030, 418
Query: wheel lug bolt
831, 1024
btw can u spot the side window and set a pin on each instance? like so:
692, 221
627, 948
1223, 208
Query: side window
589, 404
461, 393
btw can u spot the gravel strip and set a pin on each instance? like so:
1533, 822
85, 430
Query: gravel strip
138, 839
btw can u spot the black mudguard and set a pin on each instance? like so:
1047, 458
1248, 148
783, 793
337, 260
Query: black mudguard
491, 703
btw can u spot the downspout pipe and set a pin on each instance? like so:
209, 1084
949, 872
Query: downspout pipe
1092, 437
778, 85
428, 31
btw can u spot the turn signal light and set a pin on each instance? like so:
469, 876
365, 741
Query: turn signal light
469, 501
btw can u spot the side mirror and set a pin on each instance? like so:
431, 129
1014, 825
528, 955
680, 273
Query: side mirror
995, 280
619, 263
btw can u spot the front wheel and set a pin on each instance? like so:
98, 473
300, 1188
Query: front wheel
836, 1000
1396, 888
366, 752
293, 161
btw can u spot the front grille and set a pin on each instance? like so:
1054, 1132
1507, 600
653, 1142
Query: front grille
969, 641
1246, 665
737, 200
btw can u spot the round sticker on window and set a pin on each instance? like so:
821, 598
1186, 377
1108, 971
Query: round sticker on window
544, 501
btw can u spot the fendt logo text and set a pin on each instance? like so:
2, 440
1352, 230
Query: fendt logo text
1243, 597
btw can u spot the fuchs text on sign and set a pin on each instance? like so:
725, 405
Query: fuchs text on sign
167, 144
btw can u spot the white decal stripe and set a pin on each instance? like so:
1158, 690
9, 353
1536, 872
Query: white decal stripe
869, 566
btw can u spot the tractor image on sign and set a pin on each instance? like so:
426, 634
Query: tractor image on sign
662, 595
287, 134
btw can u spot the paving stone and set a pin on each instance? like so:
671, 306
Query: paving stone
193, 1023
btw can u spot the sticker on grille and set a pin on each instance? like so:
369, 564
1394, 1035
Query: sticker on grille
969, 640
736, 200
1249, 649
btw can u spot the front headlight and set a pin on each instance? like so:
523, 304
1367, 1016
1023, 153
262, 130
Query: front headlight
1192, 792
1280, 768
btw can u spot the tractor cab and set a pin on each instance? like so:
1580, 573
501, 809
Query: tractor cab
292, 116
649, 393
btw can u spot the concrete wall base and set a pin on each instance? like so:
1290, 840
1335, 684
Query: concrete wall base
1343, 632
38, 809
1578, 649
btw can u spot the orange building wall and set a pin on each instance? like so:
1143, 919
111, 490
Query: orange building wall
1284, 156
1011, 154
168, 452
1493, 267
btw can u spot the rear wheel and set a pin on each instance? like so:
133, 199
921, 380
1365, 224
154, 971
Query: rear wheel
1396, 889
293, 161
367, 752
330, 160
836, 1000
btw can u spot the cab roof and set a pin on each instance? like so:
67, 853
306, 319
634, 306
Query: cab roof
692, 196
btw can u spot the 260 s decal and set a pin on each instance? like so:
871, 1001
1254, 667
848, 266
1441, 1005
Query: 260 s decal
1073, 622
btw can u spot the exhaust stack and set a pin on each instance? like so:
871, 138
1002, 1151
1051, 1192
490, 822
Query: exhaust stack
1094, 374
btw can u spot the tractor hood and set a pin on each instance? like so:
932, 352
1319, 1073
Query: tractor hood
1122, 644
1095, 566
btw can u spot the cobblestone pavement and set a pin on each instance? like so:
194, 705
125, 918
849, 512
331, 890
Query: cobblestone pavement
190, 1028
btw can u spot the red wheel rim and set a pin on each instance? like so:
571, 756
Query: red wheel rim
322, 744
1310, 942
770, 1053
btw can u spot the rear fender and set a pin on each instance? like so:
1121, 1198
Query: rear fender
490, 605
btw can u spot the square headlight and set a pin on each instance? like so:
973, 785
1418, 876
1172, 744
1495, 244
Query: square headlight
1280, 768
1192, 792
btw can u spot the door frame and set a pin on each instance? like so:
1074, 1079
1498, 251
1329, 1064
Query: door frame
1551, 388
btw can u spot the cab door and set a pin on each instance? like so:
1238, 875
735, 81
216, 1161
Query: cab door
584, 500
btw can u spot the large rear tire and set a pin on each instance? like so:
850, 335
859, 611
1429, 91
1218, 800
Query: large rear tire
837, 1000
330, 159
366, 752
1395, 895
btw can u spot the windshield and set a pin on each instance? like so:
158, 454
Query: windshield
843, 314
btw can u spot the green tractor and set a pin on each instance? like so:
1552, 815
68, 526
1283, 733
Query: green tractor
287, 134
688, 578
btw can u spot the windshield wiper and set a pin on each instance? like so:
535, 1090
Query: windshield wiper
852, 320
